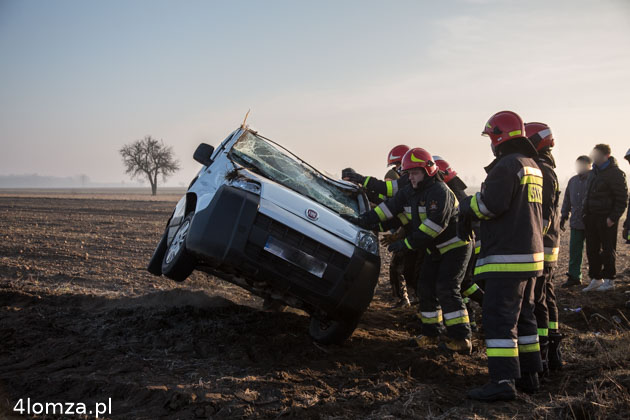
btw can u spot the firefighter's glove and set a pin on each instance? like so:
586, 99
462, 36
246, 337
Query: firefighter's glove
397, 246
350, 174
464, 227
390, 238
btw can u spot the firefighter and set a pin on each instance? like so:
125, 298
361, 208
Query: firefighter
384, 189
470, 289
546, 310
509, 207
430, 208
403, 267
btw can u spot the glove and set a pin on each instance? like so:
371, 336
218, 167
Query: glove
397, 246
360, 221
464, 227
390, 238
563, 223
624, 234
350, 174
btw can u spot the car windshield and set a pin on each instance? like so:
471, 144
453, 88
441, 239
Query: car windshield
271, 161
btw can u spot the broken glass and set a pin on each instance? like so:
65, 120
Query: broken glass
269, 160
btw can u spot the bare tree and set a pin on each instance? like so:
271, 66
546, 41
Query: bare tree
149, 158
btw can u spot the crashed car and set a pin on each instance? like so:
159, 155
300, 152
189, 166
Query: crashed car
258, 216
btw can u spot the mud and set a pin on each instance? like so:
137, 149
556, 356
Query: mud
81, 320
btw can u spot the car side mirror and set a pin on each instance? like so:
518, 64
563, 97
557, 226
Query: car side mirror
203, 154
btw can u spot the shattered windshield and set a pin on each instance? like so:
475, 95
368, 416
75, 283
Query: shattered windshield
270, 161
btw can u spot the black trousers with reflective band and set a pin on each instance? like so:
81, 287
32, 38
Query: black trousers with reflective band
510, 328
440, 286
601, 247
546, 308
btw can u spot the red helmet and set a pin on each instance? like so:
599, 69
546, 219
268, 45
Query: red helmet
419, 158
396, 154
504, 126
444, 166
539, 134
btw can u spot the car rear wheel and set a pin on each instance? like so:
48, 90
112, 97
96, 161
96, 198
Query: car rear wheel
178, 263
331, 332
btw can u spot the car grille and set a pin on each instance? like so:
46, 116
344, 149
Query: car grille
337, 262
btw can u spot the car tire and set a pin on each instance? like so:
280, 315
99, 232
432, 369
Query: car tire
331, 332
155, 264
178, 264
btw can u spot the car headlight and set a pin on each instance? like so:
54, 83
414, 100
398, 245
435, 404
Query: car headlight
368, 242
247, 185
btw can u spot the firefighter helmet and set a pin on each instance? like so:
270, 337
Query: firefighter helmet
444, 166
396, 154
539, 134
504, 126
419, 158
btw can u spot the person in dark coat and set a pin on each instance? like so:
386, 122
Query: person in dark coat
572, 211
605, 202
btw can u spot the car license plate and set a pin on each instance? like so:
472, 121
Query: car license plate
295, 257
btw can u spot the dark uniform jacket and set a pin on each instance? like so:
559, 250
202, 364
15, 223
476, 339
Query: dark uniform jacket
510, 209
606, 191
550, 209
385, 189
430, 211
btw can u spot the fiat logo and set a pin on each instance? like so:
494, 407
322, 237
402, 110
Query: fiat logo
312, 214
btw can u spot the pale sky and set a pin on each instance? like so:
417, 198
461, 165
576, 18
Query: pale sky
337, 82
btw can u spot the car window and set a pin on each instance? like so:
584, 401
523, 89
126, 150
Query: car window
272, 162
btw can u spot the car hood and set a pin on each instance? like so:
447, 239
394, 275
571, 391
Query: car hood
308, 209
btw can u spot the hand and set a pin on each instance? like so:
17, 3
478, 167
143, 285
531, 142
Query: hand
390, 238
464, 227
350, 174
397, 246
625, 234
609, 222
563, 223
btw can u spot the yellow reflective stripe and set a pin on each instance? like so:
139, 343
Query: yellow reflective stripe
456, 321
424, 228
509, 267
454, 245
531, 179
553, 325
515, 133
551, 254
408, 244
423, 217
543, 332
367, 179
432, 320
474, 205
477, 250
390, 188
529, 348
402, 218
500, 352
381, 215
382, 197
472, 289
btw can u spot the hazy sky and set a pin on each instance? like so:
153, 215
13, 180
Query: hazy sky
337, 82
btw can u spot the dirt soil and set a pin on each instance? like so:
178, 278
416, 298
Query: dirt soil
82, 321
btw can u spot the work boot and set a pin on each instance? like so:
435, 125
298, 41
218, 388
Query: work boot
571, 281
555, 354
528, 382
544, 355
461, 346
494, 391
424, 341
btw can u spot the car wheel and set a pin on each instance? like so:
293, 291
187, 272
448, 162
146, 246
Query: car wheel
178, 263
331, 332
155, 264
